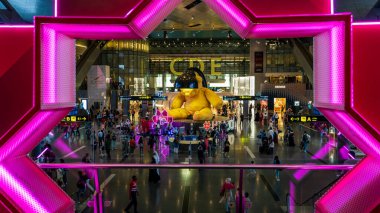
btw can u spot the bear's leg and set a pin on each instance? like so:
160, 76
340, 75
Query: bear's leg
179, 113
204, 114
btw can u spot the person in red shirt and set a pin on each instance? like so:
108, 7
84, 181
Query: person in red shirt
226, 194
133, 192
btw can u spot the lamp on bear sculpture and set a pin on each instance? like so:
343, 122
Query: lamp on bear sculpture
188, 81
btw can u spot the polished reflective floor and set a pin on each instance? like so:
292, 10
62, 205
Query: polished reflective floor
198, 190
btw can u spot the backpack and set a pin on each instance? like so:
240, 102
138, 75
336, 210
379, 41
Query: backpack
304, 137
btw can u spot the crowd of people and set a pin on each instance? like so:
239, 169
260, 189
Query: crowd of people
111, 131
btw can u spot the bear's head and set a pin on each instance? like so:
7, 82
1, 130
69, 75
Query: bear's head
190, 82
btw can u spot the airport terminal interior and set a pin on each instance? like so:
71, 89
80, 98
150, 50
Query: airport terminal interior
175, 118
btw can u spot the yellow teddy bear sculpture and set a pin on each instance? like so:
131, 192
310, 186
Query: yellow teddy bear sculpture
195, 97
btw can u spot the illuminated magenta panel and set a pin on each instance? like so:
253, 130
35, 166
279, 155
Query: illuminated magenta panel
58, 65
96, 8
25, 140
365, 87
287, 7
359, 186
232, 15
329, 68
94, 31
332, 61
290, 30
152, 15
359, 194
20, 178
353, 131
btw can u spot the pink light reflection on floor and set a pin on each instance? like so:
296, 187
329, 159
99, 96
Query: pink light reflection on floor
64, 148
322, 152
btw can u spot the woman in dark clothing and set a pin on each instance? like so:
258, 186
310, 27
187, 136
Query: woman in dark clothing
154, 177
201, 155
226, 148
291, 138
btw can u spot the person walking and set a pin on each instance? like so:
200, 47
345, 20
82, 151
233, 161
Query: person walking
226, 148
305, 141
125, 148
201, 155
86, 158
271, 145
133, 193
226, 194
107, 145
113, 144
100, 137
154, 174
277, 171
241, 119
141, 146
252, 172
88, 134
132, 145
81, 185
248, 203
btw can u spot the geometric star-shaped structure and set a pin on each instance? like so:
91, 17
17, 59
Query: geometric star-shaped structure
162, 118
344, 82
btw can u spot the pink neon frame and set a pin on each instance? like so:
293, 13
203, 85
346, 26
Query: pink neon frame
63, 32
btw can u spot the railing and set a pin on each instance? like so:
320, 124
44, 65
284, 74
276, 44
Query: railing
192, 166
319, 193
289, 198
98, 199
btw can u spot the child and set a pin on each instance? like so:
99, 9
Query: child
248, 203
252, 171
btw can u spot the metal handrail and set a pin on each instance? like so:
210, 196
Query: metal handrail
192, 166
98, 200
320, 191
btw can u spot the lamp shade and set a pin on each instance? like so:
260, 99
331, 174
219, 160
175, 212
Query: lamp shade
186, 80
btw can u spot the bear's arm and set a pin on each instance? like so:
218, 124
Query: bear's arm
177, 101
213, 98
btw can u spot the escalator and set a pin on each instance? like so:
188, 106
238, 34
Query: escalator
303, 57
8, 14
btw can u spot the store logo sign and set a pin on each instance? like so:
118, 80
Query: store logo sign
214, 64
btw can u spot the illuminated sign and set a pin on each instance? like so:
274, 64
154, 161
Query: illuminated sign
245, 97
279, 86
214, 64
74, 118
306, 118
144, 98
